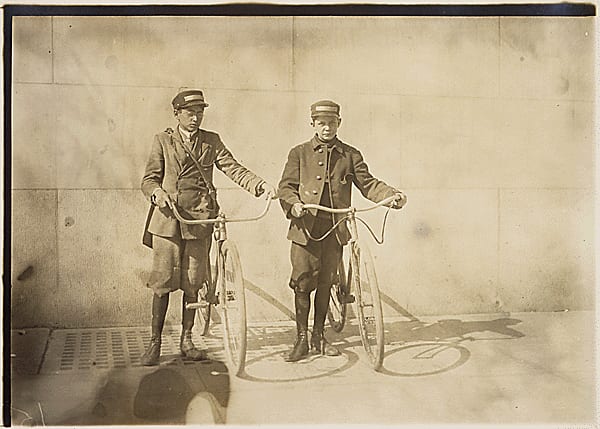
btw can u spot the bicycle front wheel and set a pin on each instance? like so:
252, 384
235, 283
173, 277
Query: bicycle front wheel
368, 304
232, 301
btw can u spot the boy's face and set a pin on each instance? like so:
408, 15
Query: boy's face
190, 118
326, 126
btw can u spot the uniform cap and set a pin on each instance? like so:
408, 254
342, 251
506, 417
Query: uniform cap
325, 108
191, 97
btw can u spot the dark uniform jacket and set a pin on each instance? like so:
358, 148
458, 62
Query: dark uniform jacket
304, 177
170, 168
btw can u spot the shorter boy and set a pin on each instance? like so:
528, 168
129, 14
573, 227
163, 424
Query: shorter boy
321, 171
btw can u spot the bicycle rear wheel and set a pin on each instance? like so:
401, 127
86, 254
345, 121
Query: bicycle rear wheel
336, 313
368, 304
232, 301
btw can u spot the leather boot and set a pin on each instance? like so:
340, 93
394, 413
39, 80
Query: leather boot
151, 356
300, 350
319, 345
187, 347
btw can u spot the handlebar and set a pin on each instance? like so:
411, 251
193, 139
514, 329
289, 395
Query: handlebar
221, 217
350, 209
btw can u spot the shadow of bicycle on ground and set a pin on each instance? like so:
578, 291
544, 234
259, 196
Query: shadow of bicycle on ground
413, 347
416, 348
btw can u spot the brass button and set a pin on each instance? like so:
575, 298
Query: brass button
320, 150
315, 192
321, 163
318, 177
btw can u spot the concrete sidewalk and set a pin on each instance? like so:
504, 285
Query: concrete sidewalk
523, 368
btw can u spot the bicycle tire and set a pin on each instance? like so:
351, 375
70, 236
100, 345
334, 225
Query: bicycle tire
232, 302
368, 304
336, 312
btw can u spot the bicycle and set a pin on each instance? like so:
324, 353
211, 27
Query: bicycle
225, 288
361, 278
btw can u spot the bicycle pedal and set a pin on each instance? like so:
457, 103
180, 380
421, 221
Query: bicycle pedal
195, 305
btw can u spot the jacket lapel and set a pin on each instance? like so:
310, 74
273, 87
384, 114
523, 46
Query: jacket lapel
204, 147
178, 152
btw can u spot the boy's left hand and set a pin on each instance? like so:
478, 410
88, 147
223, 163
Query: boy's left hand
399, 202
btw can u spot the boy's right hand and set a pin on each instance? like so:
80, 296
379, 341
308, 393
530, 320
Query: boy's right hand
298, 210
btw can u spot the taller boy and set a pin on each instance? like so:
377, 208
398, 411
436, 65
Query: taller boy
180, 171
321, 171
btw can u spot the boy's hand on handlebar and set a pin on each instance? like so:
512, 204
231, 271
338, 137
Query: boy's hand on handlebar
298, 210
268, 190
399, 202
161, 198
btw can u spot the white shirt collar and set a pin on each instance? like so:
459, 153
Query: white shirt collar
186, 135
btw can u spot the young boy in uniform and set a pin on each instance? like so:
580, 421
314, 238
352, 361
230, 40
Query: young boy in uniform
321, 171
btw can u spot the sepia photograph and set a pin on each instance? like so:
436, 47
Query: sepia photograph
270, 215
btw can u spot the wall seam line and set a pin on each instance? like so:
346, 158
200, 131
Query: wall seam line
499, 219
52, 47
293, 70
499, 57
57, 246
305, 91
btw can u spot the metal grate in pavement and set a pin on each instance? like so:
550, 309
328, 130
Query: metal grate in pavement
115, 348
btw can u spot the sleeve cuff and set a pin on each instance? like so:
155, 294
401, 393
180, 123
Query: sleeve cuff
259, 190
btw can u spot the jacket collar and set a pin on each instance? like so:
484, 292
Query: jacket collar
316, 143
